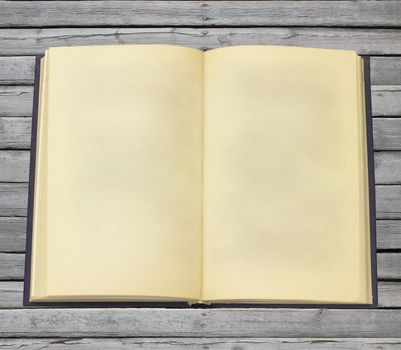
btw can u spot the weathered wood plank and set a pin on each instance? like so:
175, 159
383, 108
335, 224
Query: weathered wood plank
233, 323
14, 167
388, 202
12, 234
385, 70
202, 343
16, 101
389, 294
106, 13
389, 265
365, 41
12, 266
15, 133
388, 234
13, 230
11, 294
387, 167
387, 133
13, 200
200, 13
293, 323
20, 70
17, 70
386, 100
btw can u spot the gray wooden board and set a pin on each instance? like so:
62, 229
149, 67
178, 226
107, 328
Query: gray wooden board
19, 70
15, 133
28, 28
365, 41
12, 266
255, 323
16, 101
14, 166
197, 343
11, 294
200, 13
13, 230
13, 200
388, 234
13, 233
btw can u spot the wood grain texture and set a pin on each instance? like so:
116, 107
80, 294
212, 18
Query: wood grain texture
364, 41
386, 100
385, 70
292, 323
388, 202
15, 133
173, 22
202, 343
389, 294
14, 166
13, 200
387, 167
387, 134
17, 70
11, 294
12, 234
16, 101
389, 265
388, 234
20, 70
12, 266
199, 13
13, 230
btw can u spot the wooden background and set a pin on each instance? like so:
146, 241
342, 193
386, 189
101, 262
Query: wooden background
27, 28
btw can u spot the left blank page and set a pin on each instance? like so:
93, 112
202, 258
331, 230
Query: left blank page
117, 211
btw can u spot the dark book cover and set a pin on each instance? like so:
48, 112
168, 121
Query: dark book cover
184, 304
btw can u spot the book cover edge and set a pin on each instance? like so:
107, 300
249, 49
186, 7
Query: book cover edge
184, 304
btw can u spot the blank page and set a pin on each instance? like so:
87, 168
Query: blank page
119, 174
284, 187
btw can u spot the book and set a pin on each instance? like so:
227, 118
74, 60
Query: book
167, 176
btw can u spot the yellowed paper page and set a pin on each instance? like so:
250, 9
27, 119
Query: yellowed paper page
284, 213
122, 174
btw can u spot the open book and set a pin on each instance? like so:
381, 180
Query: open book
168, 174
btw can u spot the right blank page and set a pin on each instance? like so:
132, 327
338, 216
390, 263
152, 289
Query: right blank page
285, 209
